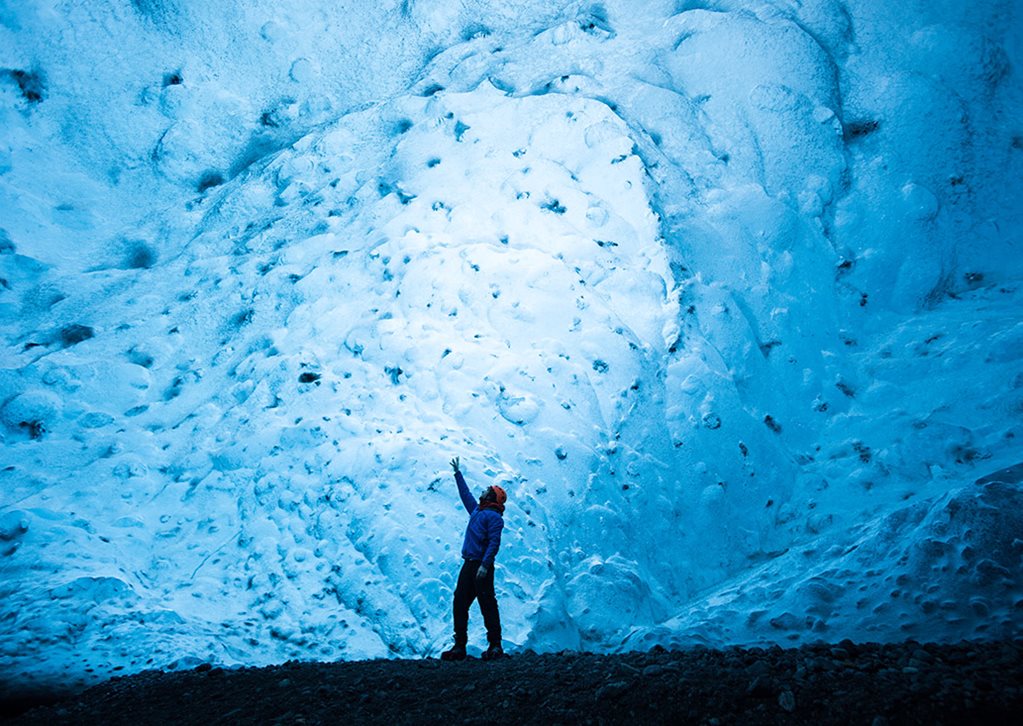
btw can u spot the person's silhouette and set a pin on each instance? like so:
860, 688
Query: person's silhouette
476, 578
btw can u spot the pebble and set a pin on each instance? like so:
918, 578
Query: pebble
759, 668
760, 687
787, 701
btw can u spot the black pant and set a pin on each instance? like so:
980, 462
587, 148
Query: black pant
468, 590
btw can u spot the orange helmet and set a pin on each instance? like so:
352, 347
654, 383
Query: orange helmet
499, 493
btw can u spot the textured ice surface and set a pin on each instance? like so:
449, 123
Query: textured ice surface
727, 298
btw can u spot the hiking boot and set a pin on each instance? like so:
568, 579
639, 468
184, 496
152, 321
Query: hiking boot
457, 652
493, 653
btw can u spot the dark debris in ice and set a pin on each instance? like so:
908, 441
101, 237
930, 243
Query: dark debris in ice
209, 180
846, 389
472, 31
31, 84
553, 205
7, 246
711, 421
855, 130
75, 334
139, 256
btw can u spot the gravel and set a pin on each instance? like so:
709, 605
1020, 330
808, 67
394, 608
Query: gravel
872, 684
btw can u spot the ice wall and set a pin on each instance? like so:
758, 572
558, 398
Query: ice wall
724, 294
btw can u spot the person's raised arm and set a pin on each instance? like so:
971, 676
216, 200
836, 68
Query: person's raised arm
463, 489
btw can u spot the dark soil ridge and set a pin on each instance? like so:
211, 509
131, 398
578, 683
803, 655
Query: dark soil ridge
874, 684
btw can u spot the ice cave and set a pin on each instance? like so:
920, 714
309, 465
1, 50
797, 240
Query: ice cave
726, 294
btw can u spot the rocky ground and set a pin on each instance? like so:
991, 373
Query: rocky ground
845, 683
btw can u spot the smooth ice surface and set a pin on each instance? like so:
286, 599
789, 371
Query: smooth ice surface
725, 294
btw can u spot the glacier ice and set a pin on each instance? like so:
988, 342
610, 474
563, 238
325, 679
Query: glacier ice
726, 295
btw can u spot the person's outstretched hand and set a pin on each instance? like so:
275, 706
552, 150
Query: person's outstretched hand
455, 464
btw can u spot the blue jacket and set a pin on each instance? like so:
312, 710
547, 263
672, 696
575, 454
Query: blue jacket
483, 534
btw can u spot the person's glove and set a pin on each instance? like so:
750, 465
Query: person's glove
481, 574
455, 464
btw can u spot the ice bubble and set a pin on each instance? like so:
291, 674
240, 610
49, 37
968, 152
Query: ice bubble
302, 71
919, 201
597, 215
95, 420
130, 468
13, 524
822, 114
598, 133
34, 412
272, 31
518, 409
61, 378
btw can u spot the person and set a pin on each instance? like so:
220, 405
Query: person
476, 578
